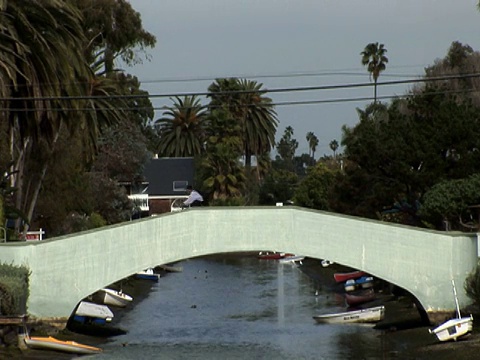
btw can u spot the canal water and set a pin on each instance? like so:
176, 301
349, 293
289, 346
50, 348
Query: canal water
240, 307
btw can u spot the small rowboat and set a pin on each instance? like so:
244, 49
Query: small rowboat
114, 297
370, 315
358, 298
51, 343
148, 274
90, 310
341, 277
291, 259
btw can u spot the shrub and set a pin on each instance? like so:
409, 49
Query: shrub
472, 285
13, 289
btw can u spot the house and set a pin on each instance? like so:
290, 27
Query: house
164, 180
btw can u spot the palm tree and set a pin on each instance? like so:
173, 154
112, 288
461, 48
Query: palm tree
41, 66
309, 137
182, 128
312, 144
373, 56
334, 147
246, 101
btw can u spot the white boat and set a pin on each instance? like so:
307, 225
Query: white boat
91, 310
291, 259
454, 328
369, 315
114, 297
148, 274
51, 343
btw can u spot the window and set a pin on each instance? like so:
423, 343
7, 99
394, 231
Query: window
180, 185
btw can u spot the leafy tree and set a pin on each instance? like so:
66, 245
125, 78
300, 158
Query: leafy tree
222, 173
114, 30
401, 151
313, 191
278, 186
182, 128
451, 202
374, 58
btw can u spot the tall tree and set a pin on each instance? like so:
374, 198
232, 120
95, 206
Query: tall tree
182, 128
334, 147
286, 148
43, 67
313, 143
309, 137
223, 176
374, 58
247, 103
114, 30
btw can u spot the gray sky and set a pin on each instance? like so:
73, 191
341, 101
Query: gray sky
273, 41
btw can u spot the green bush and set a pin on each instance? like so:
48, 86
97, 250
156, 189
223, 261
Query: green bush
472, 285
13, 289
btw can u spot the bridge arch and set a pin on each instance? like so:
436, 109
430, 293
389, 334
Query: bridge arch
66, 269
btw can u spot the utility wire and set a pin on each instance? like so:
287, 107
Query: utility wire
262, 91
276, 104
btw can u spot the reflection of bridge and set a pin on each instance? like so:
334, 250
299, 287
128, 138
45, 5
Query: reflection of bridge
64, 270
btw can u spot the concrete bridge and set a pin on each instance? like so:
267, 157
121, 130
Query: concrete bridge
66, 269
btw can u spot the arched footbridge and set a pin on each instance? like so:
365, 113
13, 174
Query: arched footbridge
66, 269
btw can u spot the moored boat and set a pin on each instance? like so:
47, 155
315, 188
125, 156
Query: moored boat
291, 259
114, 297
272, 255
148, 274
94, 311
359, 297
369, 315
342, 277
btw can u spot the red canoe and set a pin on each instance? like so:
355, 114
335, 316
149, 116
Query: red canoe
341, 277
353, 299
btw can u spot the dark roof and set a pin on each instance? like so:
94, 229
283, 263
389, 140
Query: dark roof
162, 173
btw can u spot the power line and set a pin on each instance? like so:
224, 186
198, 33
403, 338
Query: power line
275, 90
276, 104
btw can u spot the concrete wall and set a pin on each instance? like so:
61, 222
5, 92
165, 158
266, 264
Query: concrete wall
65, 270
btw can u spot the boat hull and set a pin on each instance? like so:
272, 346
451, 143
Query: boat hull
453, 329
370, 315
91, 310
51, 343
115, 298
342, 277
362, 297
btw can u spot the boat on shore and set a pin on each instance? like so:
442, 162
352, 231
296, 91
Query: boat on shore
368, 315
454, 328
51, 343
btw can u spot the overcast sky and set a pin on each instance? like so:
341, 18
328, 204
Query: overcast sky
299, 43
